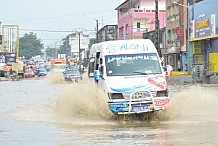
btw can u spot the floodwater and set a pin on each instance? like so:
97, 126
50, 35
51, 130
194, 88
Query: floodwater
49, 112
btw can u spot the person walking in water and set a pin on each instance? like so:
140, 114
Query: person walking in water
96, 76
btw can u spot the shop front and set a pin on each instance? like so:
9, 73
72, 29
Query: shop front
204, 47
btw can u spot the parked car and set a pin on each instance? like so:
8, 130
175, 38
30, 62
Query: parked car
29, 73
71, 67
72, 75
42, 72
48, 68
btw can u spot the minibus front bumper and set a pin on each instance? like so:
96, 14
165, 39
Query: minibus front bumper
134, 105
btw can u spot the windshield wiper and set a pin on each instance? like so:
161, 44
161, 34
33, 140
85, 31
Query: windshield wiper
143, 73
146, 73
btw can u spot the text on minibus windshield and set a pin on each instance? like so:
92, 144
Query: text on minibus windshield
127, 47
132, 57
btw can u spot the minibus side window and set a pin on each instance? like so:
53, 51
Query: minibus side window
101, 67
91, 66
97, 61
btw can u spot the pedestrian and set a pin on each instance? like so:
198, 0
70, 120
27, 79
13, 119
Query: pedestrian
179, 65
186, 66
169, 70
96, 76
11, 71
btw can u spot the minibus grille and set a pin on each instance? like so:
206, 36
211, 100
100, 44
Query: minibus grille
138, 95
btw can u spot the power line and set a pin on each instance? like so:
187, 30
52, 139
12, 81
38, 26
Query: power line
47, 30
59, 31
52, 17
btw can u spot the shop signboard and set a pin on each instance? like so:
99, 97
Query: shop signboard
7, 58
213, 24
198, 59
205, 26
198, 47
192, 29
202, 28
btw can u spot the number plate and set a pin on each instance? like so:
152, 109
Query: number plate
139, 108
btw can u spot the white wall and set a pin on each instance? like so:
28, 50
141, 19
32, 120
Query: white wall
74, 43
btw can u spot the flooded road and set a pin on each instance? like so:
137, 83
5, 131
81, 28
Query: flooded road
49, 112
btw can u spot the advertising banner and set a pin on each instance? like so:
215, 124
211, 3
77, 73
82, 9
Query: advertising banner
7, 58
179, 33
192, 29
198, 47
205, 26
213, 24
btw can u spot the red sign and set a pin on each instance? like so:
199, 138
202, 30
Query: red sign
179, 33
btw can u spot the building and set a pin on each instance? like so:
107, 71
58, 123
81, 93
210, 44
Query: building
176, 33
161, 37
10, 39
107, 33
138, 16
79, 43
203, 38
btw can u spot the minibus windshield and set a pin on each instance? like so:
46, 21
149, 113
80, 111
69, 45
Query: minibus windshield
132, 64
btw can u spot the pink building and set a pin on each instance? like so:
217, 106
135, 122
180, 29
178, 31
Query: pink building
138, 16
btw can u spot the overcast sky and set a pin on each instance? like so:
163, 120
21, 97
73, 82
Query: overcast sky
57, 15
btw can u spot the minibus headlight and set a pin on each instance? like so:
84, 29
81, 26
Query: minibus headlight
115, 96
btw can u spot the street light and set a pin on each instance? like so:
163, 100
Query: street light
79, 31
157, 43
79, 54
188, 51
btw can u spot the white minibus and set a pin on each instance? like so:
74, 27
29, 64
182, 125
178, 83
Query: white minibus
131, 74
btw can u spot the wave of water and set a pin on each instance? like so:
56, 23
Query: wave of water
83, 100
54, 77
196, 103
81, 109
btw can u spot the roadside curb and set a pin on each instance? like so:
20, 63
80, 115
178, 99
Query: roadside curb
182, 79
4, 79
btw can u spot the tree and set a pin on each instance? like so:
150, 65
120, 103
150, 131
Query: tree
50, 52
30, 45
65, 47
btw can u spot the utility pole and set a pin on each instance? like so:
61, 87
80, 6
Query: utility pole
79, 54
96, 31
157, 43
56, 50
0, 37
188, 48
188, 34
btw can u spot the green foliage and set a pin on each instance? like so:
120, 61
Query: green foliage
30, 45
61, 47
50, 52
92, 41
65, 47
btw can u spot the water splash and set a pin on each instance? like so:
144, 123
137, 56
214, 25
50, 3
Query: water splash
54, 77
196, 104
83, 100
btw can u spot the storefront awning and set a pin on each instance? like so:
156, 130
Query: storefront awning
203, 38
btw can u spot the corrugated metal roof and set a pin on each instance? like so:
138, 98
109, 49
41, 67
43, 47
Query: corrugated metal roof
122, 4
